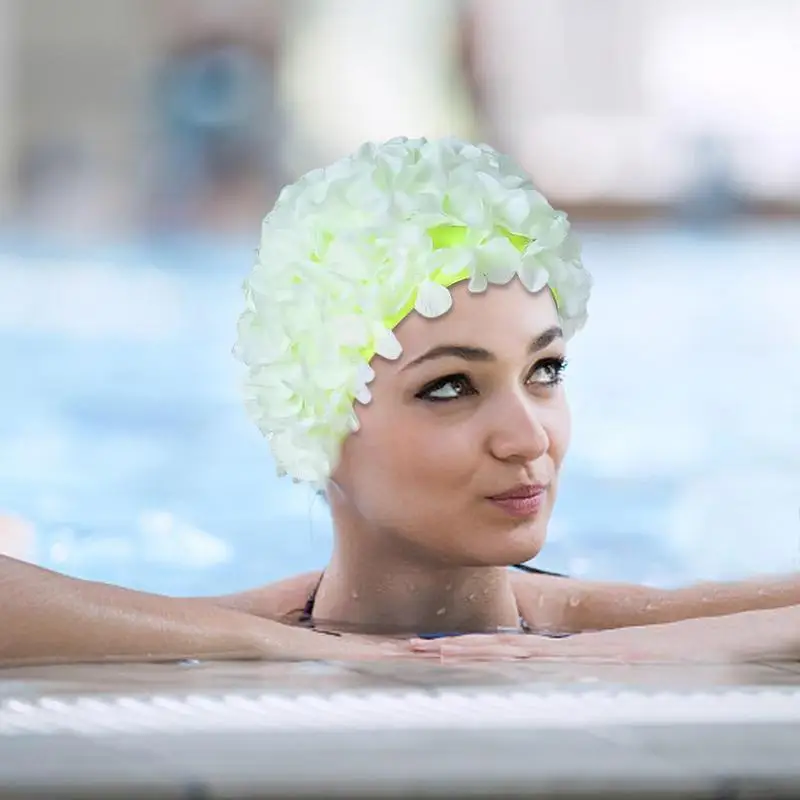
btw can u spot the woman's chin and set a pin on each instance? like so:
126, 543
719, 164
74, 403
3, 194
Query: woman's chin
515, 547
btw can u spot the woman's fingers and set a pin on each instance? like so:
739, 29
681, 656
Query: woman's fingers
516, 647
482, 642
489, 647
495, 647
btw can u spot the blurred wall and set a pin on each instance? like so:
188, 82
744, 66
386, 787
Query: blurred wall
621, 104
80, 68
8, 111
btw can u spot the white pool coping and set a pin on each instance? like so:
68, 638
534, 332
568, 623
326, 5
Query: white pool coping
417, 709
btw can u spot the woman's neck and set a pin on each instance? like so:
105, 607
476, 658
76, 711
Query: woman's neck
391, 596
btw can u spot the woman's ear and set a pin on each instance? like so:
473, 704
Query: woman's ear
332, 488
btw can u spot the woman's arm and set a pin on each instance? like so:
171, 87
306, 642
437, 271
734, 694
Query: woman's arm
749, 636
46, 617
567, 605
277, 601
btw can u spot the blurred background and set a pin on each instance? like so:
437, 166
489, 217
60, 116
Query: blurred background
142, 141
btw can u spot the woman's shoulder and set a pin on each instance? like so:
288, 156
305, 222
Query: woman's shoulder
280, 600
543, 598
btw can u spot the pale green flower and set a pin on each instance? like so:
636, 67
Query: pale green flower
350, 250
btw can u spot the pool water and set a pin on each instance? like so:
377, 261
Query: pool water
124, 440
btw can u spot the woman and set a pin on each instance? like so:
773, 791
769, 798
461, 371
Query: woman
405, 336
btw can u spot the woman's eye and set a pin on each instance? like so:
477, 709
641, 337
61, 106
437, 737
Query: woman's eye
549, 372
450, 388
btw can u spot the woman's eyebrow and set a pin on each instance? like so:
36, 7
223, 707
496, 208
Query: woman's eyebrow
471, 353
545, 338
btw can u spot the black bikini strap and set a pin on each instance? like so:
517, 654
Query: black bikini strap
308, 609
535, 571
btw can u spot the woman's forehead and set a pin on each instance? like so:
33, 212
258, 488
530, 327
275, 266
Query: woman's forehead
503, 318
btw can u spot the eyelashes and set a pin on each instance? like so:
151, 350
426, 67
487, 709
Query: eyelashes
448, 388
547, 374
553, 369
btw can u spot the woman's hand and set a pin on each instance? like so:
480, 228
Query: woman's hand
632, 645
319, 646
749, 636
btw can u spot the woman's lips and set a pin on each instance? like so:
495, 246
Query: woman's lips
522, 501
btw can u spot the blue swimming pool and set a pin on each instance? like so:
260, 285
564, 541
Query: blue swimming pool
124, 441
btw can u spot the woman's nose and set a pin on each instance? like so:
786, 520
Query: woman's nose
518, 433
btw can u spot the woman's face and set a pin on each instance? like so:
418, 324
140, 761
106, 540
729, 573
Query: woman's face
472, 410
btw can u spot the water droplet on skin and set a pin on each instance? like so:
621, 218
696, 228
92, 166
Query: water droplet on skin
471, 598
354, 595
541, 601
763, 592
650, 607
448, 587
441, 612
574, 601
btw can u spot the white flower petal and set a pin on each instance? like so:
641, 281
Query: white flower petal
498, 260
308, 472
516, 209
469, 207
365, 374
388, 346
554, 231
433, 300
571, 248
533, 276
364, 395
332, 375
351, 330
455, 260
478, 283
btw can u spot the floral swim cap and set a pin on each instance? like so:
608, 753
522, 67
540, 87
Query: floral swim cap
350, 250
